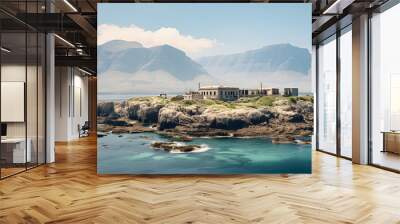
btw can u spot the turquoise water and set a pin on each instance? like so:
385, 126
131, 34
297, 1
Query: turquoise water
132, 154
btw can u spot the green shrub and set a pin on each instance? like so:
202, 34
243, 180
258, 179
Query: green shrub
292, 100
209, 102
230, 105
265, 101
177, 98
188, 102
306, 98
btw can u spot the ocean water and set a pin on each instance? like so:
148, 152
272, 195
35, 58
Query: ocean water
133, 154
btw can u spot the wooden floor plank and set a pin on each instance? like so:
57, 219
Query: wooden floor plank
70, 191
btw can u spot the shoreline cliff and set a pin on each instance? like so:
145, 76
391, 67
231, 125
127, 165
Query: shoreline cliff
283, 119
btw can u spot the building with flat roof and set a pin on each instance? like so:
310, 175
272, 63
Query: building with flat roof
219, 92
271, 91
249, 92
193, 95
259, 92
291, 91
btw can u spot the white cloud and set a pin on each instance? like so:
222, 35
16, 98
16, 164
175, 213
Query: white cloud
148, 38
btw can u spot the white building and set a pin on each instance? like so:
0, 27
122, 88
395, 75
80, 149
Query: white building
193, 95
259, 92
249, 92
219, 92
271, 91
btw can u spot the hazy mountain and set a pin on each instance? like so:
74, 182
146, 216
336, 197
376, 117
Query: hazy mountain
119, 45
132, 57
128, 67
273, 58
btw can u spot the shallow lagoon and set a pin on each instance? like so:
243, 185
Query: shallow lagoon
133, 154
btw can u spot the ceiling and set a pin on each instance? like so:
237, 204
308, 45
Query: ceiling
75, 21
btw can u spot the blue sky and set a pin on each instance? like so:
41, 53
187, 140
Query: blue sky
231, 27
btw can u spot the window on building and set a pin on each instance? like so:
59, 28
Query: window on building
346, 92
23, 89
385, 89
326, 103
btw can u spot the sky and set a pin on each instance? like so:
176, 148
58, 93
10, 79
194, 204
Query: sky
206, 29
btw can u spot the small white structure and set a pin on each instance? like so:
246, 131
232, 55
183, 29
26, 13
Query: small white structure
254, 92
249, 92
271, 91
219, 92
259, 92
291, 92
193, 95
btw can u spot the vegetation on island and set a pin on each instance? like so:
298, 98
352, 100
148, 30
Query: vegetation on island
284, 119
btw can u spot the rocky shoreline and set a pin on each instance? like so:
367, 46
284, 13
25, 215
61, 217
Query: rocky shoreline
283, 119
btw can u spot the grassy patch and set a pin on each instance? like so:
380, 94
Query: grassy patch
209, 102
177, 98
244, 102
230, 105
293, 100
265, 101
306, 98
188, 102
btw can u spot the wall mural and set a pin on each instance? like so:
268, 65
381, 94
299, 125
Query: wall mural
204, 88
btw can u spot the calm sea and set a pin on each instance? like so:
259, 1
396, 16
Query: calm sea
133, 154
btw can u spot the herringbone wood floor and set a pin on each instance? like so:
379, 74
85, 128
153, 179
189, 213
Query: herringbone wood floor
69, 191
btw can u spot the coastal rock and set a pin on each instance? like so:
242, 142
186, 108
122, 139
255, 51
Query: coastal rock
114, 122
283, 140
184, 119
238, 118
104, 109
229, 123
120, 108
222, 119
114, 115
149, 114
130, 128
296, 118
101, 134
133, 111
144, 113
168, 118
174, 147
283, 116
193, 110
257, 117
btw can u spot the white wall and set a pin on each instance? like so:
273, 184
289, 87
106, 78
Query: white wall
62, 82
71, 102
33, 125
14, 73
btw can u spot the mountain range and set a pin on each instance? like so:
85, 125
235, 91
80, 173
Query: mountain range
132, 57
273, 58
129, 66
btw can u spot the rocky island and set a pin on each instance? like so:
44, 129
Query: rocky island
283, 119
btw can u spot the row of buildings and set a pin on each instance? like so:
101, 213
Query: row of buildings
234, 93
